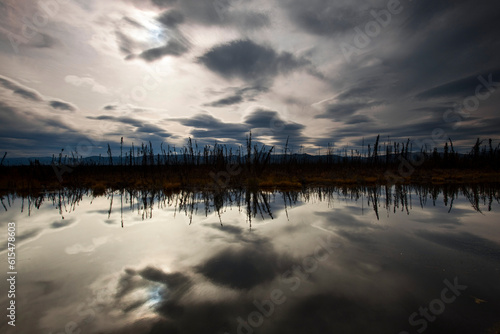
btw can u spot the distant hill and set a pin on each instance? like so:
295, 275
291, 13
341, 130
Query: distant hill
116, 160
138, 161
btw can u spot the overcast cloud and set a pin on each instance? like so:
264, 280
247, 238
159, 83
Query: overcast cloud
317, 72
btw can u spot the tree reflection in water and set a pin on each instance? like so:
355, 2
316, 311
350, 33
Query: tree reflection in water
257, 202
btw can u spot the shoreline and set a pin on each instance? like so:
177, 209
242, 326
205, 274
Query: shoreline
36, 179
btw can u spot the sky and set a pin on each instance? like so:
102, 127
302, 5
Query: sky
77, 75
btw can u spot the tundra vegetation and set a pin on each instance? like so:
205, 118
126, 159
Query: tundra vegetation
217, 166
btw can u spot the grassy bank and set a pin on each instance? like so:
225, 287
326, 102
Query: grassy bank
255, 167
32, 179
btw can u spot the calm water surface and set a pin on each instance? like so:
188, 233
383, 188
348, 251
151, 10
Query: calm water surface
365, 260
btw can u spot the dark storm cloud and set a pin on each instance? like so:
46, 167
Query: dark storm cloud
227, 101
212, 129
249, 61
358, 119
438, 109
465, 29
239, 95
177, 13
457, 43
250, 92
362, 94
171, 18
346, 110
342, 111
19, 89
150, 128
125, 108
38, 129
270, 122
262, 118
464, 87
360, 90
174, 47
261, 122
467, 131
62, 105
325, 17
438, 50
427, 57
30, 123
217, 12
205, 121
424, 12
28, 94
425, 133
139, 125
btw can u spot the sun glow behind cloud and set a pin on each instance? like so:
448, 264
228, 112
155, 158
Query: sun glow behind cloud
231, 60
151, 31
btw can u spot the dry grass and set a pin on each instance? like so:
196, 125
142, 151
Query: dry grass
99, 179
